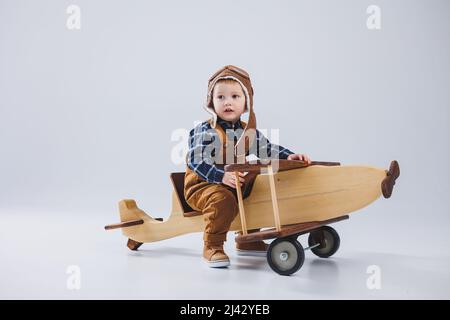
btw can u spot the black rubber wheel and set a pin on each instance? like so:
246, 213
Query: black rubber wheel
285, 256
329, 241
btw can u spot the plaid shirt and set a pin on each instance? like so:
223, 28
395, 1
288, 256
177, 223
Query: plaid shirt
203, 136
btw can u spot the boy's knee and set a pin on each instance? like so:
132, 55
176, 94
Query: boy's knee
224, 199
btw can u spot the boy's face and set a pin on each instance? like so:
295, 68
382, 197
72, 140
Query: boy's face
229, 100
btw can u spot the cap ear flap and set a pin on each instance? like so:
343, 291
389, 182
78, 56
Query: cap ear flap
211, 104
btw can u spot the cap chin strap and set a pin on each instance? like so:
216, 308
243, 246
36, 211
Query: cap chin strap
248, 136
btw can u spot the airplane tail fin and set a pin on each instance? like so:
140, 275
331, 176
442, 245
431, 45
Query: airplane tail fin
130, 215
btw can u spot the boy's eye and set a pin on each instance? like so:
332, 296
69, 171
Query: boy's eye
235, 96
220, 97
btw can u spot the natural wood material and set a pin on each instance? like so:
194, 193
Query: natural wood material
124, 224
293, 229
273, 192
388, 183
133, 245
258, 165
280, 164
313, 193
178, 186
240, 203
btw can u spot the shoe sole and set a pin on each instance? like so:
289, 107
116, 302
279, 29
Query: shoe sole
217, 264
251, 253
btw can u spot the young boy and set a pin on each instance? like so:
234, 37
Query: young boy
207, 187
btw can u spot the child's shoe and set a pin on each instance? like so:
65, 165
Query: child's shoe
257, 249
214, 256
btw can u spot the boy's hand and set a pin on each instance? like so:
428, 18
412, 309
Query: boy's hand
230, 179
302, 157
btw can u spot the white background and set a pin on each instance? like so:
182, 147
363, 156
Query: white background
86, 119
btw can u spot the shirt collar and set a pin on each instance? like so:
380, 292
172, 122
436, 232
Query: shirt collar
228, 124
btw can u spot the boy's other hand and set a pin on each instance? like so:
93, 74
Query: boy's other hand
230, 179
301, 157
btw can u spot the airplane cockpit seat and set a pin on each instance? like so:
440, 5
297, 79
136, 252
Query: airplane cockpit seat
178, 185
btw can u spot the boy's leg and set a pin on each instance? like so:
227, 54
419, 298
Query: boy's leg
219, 210
219, 207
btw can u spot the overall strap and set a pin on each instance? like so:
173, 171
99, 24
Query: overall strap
225, 143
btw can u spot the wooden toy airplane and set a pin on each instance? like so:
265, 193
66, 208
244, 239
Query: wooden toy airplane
295, 200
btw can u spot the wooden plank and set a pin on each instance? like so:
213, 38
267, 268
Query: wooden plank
276, 213
282, 165
240, 203
286, 231
258, 165
124, 224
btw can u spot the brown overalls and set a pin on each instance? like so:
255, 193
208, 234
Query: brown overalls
217, 202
